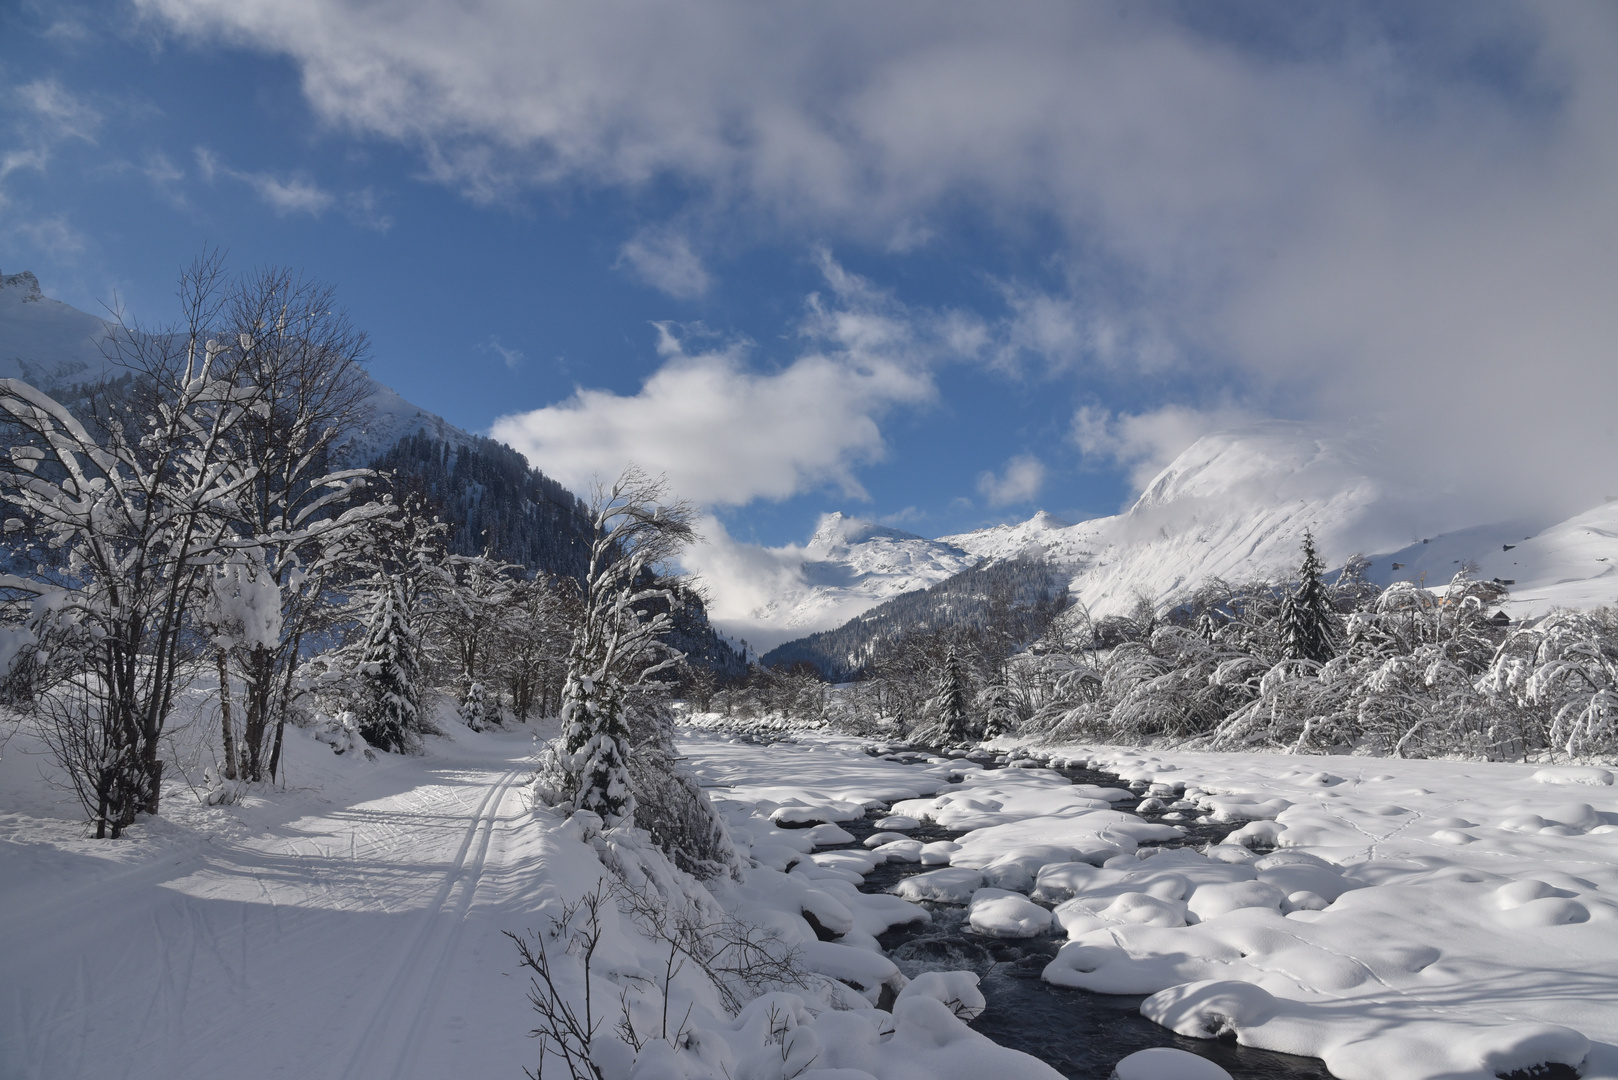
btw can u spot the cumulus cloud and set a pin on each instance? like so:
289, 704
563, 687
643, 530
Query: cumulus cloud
725, 433
740, 578
1018, 482
664, 260
1355, 210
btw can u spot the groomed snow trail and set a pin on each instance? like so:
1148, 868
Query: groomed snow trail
290, 937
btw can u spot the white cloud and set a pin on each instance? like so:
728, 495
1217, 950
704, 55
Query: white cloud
664, 260
53, 237
726, 434
43, 116
1143, 443
1408, 216
740, 578
62, 115
512, 358
291, 194
1018, 482
363, 208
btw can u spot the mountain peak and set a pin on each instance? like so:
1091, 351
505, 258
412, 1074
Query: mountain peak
838, 528
24, 280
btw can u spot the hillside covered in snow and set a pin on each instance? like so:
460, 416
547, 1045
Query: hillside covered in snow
55, 346
1235, 506
848, 567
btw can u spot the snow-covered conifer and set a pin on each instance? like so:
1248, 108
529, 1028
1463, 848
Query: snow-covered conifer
1308, 622
471, 706
949, 703
616, 643
389, 698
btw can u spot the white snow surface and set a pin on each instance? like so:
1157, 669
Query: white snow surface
351, 925
1416, 920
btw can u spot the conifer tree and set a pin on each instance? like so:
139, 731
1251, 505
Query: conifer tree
617, 641
1308, 623
389, 666
472, 707
948, 706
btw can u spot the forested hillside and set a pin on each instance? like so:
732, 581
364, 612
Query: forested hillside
492, 500
1018, 597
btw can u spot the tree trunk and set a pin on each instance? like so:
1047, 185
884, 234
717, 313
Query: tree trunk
224, 718
275, 754
284, 704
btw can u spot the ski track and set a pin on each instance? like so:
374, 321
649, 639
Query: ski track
417, 979
188, 960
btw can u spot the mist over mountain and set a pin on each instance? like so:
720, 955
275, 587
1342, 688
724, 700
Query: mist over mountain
1235, 505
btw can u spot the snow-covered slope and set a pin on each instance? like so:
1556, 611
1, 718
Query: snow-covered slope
1573, 563
53, 345
848, 567
1236, 503
46, 342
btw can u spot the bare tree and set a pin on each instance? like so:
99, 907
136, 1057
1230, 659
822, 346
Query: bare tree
137, 506
285, 337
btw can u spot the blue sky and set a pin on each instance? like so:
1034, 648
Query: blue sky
942, 264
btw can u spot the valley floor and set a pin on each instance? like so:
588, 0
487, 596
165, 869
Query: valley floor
1416, 920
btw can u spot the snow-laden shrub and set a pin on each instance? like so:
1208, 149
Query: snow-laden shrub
669, 804
471, 708
341, 732
1566, 666
220, 790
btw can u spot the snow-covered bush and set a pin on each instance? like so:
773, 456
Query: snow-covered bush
471, 707
341, 732
1566, 668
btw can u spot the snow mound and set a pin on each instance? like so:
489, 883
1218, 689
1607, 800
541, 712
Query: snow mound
1166, 1063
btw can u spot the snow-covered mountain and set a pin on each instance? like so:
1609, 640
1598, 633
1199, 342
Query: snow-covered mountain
45, 342
848, 567
53, 345
1236, 504
1573, 563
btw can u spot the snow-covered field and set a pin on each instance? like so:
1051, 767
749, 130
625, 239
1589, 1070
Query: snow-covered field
347, 927
1416, 919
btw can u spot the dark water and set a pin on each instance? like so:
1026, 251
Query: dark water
1079, 1033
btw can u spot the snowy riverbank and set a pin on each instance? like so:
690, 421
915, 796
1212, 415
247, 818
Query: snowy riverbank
1416, 919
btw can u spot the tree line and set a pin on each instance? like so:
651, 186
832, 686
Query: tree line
1315, 664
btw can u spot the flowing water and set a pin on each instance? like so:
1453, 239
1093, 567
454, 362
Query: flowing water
1080, 1034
